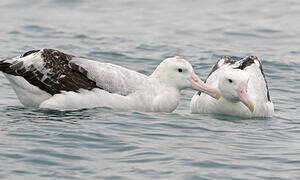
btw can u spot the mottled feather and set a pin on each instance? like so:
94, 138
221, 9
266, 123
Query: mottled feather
53, 76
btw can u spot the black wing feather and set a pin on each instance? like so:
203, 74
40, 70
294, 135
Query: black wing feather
61, 77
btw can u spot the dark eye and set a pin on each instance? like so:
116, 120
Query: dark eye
230, 81
179, 70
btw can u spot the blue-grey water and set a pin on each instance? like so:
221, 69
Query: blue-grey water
111, 144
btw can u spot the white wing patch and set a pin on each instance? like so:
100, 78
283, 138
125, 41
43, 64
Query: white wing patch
110, 77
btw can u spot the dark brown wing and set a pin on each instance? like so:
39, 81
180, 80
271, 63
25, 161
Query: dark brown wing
223, 61
53, 77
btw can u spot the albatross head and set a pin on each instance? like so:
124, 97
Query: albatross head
179, 73
233, 86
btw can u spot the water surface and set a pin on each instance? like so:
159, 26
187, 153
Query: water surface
111, 144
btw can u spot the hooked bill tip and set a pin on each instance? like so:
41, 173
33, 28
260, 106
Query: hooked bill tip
218, 95
251, 107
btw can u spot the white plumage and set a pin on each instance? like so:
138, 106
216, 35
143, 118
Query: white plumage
51, 79
243, 87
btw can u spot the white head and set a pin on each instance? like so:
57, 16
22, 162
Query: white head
233, 86
179, 73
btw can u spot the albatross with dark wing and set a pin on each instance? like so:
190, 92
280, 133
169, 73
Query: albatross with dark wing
52, 79
243, 87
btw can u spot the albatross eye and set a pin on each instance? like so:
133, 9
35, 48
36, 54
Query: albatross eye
179, 70
230, 81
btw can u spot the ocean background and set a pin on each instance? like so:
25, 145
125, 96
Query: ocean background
111, 144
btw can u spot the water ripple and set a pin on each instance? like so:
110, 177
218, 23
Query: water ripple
103, 143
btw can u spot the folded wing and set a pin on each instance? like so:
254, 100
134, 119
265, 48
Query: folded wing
54, 71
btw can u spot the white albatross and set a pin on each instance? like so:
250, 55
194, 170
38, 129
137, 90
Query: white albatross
54, 80
243, 87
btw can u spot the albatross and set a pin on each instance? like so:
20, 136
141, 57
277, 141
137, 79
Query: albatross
243, 86
52, 79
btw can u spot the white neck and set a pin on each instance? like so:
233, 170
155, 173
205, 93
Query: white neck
167, 100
